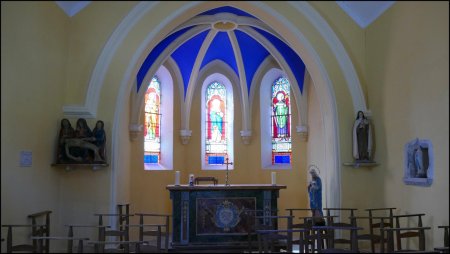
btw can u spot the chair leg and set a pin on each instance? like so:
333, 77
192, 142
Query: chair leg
80, 246
9, 240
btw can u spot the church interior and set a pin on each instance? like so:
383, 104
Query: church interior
204, 117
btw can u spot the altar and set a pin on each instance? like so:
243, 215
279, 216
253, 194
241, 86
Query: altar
213, 215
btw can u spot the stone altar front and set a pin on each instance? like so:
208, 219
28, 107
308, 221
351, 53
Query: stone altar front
213, 215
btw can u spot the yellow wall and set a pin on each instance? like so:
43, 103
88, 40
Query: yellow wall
407, 65
48, 60
349, 33
34, 55
90, 29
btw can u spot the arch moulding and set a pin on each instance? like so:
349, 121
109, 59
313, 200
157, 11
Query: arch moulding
316, 69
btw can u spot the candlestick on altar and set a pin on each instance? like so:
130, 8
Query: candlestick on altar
227, 163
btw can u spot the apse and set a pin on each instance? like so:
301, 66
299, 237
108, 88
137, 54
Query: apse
229, 35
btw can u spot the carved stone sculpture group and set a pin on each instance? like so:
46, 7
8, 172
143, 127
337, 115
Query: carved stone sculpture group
81, 145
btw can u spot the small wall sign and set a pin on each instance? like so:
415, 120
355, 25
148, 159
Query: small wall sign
26, 158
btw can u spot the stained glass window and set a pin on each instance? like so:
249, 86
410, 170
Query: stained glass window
216, 124
281, 122
152, 127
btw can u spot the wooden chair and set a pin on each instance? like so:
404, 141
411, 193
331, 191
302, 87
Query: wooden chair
11, 247
40, 240
270, 237
374, 227
124, 209
259, 224
305, 240
311, 241
378, 218
199, 179
444, 249
101, 236
404, 221
41, 229
328, 233
158, 230
123, 219
331, 221
410, 232
285, 234
44, 218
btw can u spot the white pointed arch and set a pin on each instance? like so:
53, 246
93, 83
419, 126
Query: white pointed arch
246, 116
284, 65
359, 102
173, 68
194, 74
300, 43
137, 98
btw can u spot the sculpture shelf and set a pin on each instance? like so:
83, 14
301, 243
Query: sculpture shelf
361, 164
70, 166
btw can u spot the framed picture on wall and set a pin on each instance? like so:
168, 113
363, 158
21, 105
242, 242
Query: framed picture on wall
418, 163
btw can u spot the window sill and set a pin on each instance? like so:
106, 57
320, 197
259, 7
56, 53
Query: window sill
155, 167
278, 167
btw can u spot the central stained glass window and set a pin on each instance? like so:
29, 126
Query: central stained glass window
216, 124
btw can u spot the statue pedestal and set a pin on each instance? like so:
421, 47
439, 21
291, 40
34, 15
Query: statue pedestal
360, 164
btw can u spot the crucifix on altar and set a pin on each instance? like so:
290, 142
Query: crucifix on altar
227, 163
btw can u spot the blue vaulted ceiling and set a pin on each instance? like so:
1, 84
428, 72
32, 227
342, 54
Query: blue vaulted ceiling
186, 55
253, 52
221, 48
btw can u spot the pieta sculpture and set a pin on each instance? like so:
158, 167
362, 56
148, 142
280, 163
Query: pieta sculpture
81, 145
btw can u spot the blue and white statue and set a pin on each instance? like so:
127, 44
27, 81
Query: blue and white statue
315, 193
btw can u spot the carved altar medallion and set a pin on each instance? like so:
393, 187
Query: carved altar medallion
224, 215
227, 215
